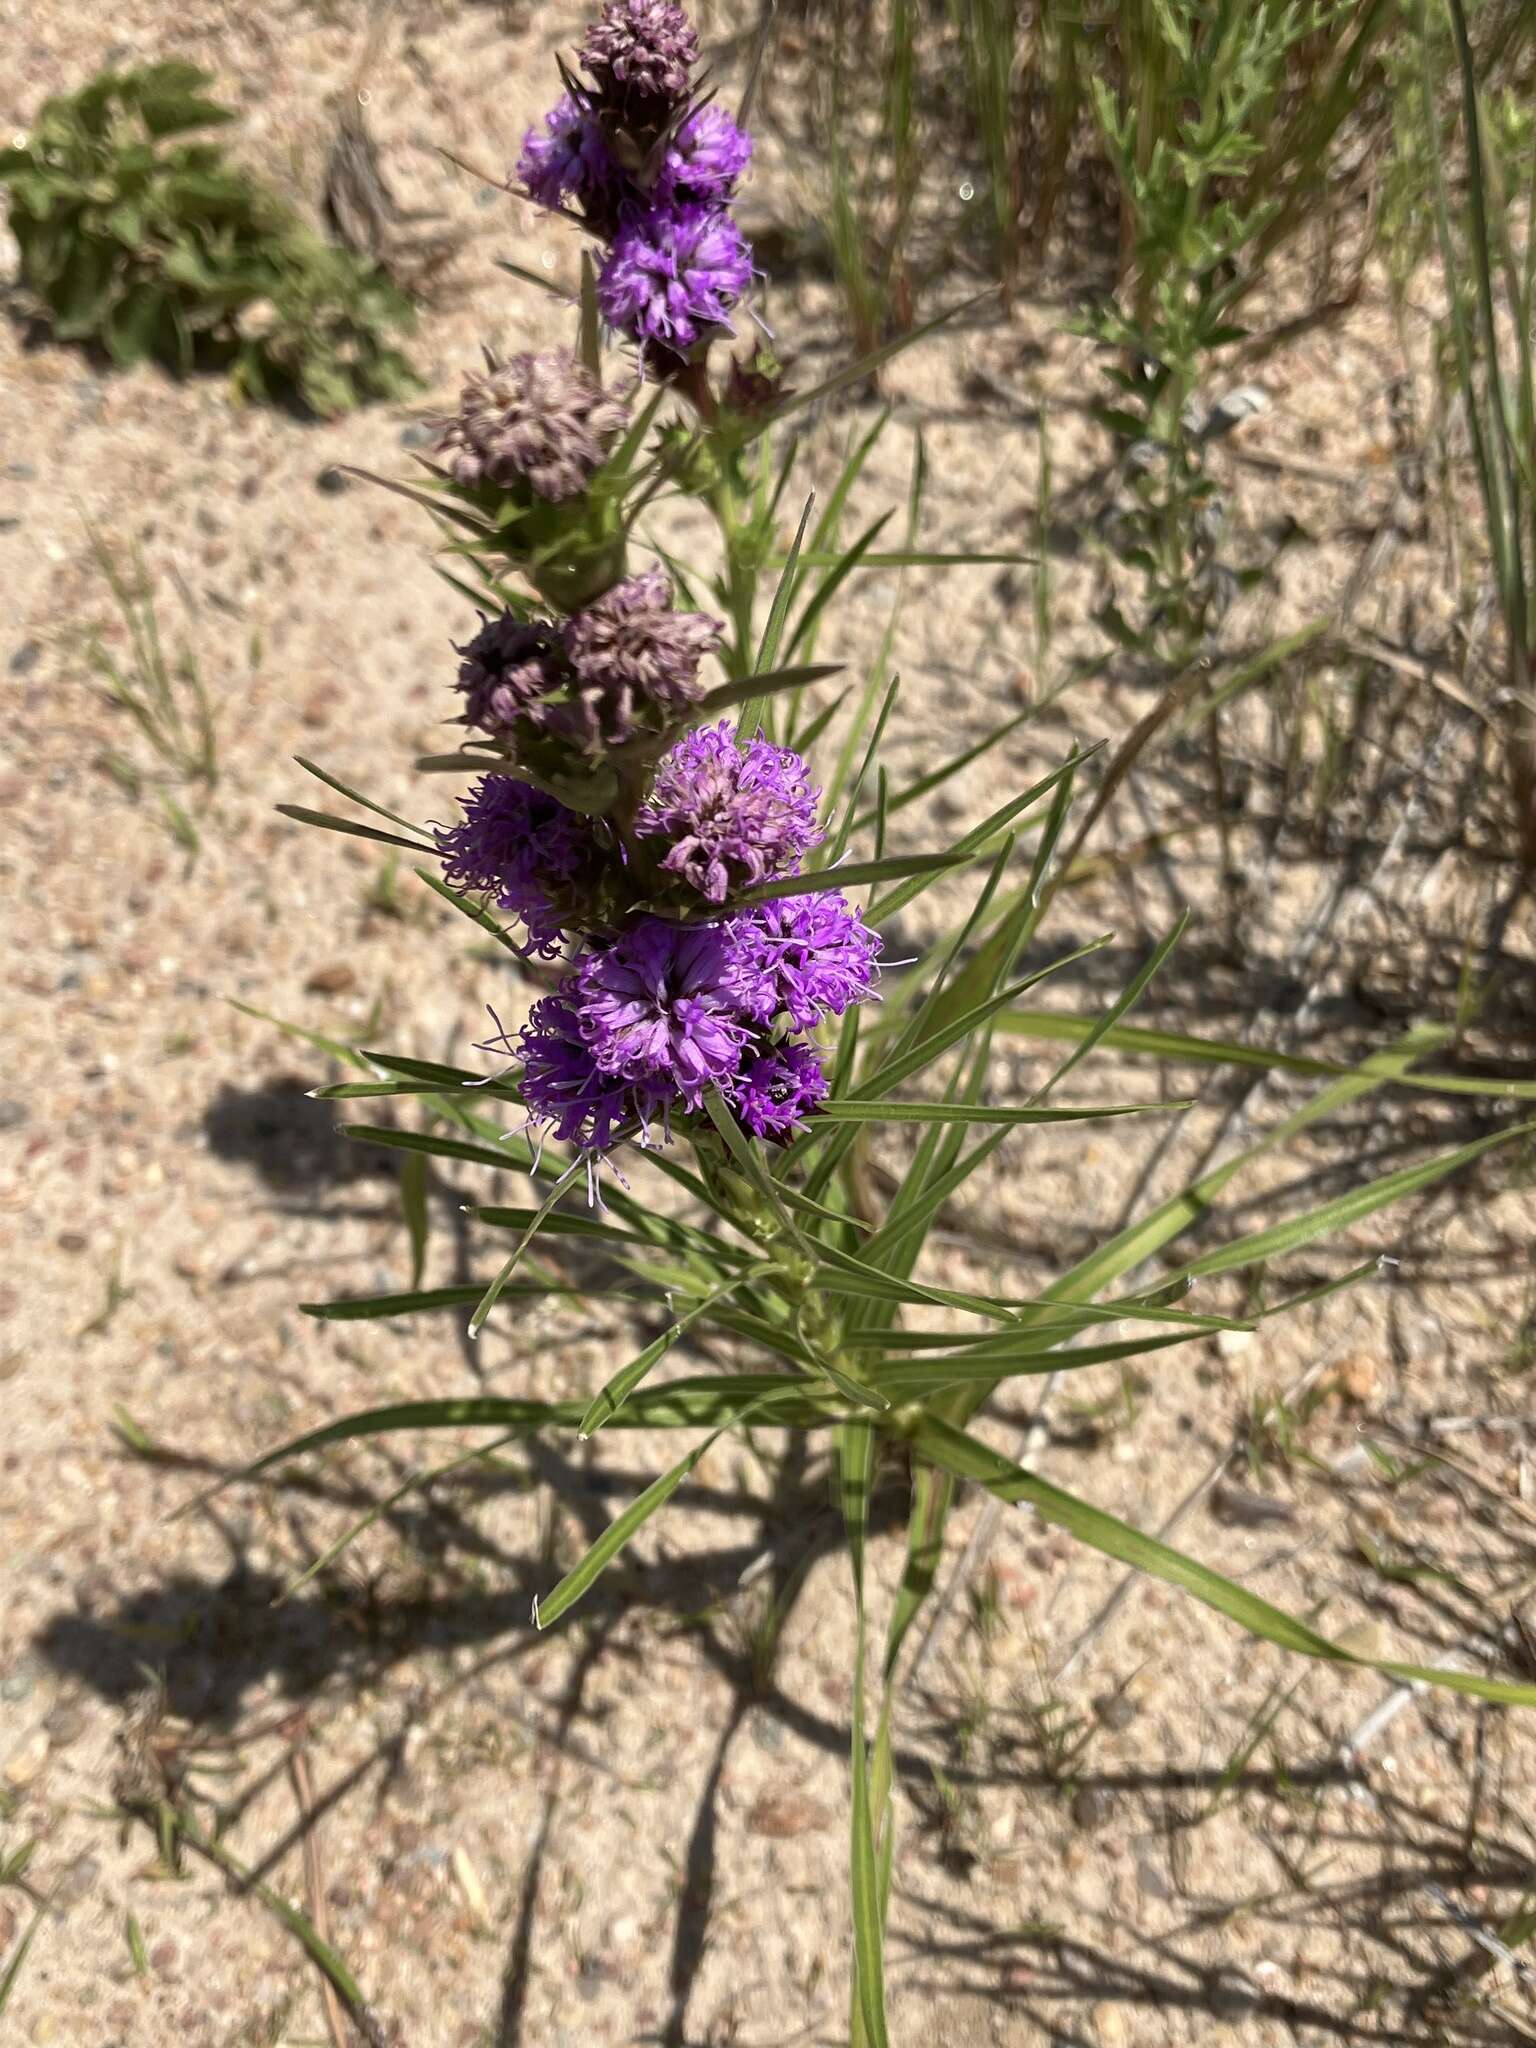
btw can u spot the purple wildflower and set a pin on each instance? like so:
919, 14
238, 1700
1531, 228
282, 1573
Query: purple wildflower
563, 1088
571, 158
706, 158
636, 661
543, 420
525, 850
673, 275
658, 1006
733, 818
640, 50
816, 954
506, 668
774, 1093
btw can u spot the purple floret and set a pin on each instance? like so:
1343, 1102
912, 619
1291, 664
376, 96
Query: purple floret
774, 1093
673, 275
571, 159
658, 1006
523, 849
706, 158
635, 662
733, 817
816, 954
507, 667
564, 1090
641, 50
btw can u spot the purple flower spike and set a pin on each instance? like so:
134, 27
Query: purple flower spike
562, 1087
506, 668
571, 159
658, 1006
673, 275
640, 49
540, 420
774, 1093
706, 159
817, 953
733, 818
525, 850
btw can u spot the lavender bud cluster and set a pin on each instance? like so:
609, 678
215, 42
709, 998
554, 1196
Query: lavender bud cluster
651, 169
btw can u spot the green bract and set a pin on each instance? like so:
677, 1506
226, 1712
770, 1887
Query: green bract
160, 248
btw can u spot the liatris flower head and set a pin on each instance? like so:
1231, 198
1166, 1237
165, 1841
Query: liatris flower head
673, 275
733, 816
506, 668
775, 1091
540, 421
564, 1089
640, 55
571, 159
660, 1005
814, 954
706, 158
635, 664
530, 855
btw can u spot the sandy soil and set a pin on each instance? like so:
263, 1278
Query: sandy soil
631, 1829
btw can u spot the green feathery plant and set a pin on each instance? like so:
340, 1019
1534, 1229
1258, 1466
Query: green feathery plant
618, 831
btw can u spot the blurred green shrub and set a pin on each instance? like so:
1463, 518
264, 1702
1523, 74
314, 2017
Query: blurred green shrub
153, 246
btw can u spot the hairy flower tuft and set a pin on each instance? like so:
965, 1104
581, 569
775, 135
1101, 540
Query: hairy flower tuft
706, 158
734, 817
543, 420
775, 1092
815, 954
526, 851
640, 50
507, 667
636, 661
564, 1089
673, 275
658, 1005
571, 159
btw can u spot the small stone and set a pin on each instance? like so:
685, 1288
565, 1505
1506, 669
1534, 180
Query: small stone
1233, 1343
65, 1723
1150, 1881
12, 1115
26, 658
19, 1682
1092, 1806
1115, 1711
488, 195
333, 482
1231, 1996
336, 980
45, 2029
27, 1761
79, 1879
784, 1815
417, 435
767, 1732
1355, 1378
250, 487
208, 521
20, 472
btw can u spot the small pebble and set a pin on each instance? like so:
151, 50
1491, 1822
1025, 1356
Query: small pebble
332, 482
19, 1681
417, 435
1092, 1806
1115, 1710
767, 1732
77, 1880
20, 472
26, 658
65, 1723
13, 1114
28, 1761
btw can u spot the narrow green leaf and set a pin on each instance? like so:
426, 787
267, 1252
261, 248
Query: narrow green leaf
327, 823
850, 1111
956, 1452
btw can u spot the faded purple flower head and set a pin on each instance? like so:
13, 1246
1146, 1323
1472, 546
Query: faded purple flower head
525, 850
543, 420
775, 1092
659, 1005
816, 954
673, 275
506, 668
734, 817
706, 158
640, 50
563, 1088
571, 159
636, 661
